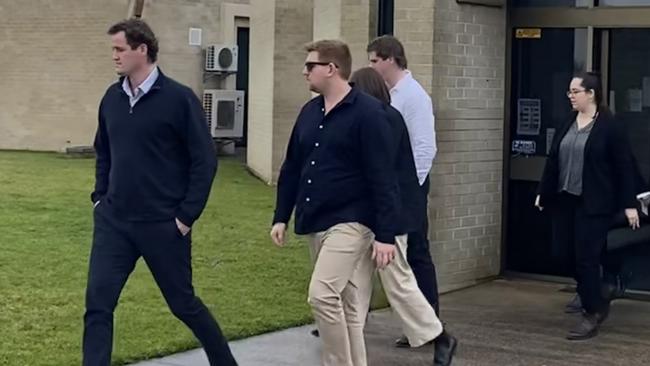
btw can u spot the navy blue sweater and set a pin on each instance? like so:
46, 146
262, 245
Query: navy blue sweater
339, 168
155, 161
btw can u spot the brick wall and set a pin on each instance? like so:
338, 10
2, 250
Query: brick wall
349, 21
294, 28
260, 98
468, 89
56, 62
279, 30
414, 27
469, 47
457, 52
55, 66
355, 30
171, 20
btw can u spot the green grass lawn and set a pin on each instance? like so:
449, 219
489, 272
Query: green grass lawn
45, 235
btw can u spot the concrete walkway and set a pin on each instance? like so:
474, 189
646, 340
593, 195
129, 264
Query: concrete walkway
291, 347
502, 323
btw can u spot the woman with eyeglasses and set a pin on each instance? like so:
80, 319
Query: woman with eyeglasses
588, 177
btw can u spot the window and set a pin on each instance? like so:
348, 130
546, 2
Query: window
138, 7
629, 84
385, 17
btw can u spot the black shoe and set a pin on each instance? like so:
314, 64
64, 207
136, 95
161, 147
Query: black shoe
613, 288
608, 291
445, 348
315, 333
402, 342
574, 306
586, 328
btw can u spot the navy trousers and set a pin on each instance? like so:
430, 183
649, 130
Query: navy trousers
585, 236
117, 245
418, 255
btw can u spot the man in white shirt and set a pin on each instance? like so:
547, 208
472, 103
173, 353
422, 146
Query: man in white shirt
386, 55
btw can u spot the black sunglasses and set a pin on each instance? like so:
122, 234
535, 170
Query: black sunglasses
311, 64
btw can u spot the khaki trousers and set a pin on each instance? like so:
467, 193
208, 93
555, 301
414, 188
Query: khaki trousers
339, 291
420, 323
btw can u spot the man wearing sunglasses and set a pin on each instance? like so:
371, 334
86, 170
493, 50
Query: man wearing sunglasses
345, 198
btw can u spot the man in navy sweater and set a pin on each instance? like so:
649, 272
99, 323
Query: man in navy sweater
154, 170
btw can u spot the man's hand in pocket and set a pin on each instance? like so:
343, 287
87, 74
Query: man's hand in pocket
184, 229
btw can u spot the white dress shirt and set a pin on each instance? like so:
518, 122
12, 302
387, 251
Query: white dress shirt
142, 89
413, 102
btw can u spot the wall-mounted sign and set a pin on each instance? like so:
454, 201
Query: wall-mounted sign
534, 33
529, 116
525, 147
195, 36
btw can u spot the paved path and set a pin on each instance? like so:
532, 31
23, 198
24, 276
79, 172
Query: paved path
502, 323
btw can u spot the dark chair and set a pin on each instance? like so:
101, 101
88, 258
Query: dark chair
621, 236
621, 241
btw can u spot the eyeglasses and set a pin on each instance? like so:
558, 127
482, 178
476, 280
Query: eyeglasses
311, 64
571, 93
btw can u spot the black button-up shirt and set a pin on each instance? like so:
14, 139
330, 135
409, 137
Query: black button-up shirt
339, 168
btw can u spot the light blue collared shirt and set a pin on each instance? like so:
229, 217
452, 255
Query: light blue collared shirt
142, 89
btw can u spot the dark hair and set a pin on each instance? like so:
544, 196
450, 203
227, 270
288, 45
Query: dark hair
370, 82
137, 32
334, 51
388, 46
591, 82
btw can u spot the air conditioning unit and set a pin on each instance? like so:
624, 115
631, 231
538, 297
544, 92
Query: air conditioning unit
224, 112
221, 58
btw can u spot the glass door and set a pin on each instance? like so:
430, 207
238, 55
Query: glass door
549, 40
543, 61
626, 55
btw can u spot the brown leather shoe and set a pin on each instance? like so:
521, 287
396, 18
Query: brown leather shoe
574, 306
587, 328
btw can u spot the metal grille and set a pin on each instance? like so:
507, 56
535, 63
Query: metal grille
210, 58
207, 107
226, 114
225, 58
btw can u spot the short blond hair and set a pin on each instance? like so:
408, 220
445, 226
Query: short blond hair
334, 51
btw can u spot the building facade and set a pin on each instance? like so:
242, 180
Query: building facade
56, 60
457, 52
497, 72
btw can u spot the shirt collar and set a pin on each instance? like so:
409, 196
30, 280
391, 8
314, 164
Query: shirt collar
146, 85
348, 99
403, 82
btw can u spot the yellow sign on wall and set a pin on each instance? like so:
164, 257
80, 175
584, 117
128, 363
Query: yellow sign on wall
535, 33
